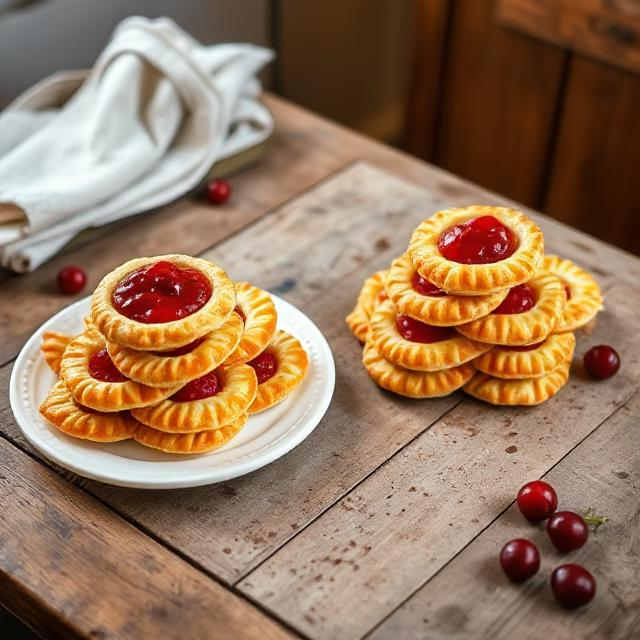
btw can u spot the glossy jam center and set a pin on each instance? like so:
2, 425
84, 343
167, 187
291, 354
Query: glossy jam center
102, 368
265, 365
527, 347
481, 240
567, 289
161, 292
240, 312
519, 299
180, 351
426, 288
415, 331
198, 389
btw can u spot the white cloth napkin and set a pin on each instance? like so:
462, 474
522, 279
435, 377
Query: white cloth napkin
144, 127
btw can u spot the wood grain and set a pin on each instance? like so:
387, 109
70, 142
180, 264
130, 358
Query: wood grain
363, 557
471, 598
73, 569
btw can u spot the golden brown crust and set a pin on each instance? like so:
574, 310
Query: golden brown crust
238, 390
358, 322
167, 335
371, 293
586, 298
65, 414
155, 370
443, 311
97, 394
53, 346
476, 279
522, 328
518, 392
260, 322
189, 443
502, 362
414, 384
292, 367
434, 356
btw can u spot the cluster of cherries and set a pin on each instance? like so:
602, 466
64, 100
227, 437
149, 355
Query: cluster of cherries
572, 585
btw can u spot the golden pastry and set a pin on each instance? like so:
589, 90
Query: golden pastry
414, 384
53, 346
372, 292
477, 250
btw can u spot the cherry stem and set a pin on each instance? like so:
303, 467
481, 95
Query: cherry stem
594, 520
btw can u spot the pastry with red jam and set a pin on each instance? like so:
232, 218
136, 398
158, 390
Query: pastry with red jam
530, 361
412, 344
212, 401
163, 302
259, 316
94, 381
372, 292
527, 315
584, 298
279, 369
415, 296
477, 250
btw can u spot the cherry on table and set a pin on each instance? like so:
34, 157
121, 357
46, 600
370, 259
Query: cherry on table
71, 279
567, 530
572, 585
601, 361
218, 191
519, 559
537, 500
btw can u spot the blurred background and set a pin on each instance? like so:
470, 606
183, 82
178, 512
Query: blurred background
538, 100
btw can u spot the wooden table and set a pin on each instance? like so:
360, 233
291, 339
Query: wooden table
387, 521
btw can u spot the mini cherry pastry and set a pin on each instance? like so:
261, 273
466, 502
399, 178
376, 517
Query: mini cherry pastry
52, 347
265, 365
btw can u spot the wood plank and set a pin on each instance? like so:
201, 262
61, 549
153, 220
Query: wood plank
63, 556
471, 598
500, 91
365, 555
593, 179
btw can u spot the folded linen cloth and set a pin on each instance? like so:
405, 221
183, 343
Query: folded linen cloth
145, 126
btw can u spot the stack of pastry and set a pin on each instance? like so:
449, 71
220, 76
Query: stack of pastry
474, 304
175, 355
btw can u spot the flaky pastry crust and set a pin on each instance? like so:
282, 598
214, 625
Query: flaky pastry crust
529, 391
414, 384
156, 370
60, 409
384, 336
98, 394
293, 363
238, 390
52, 347
358, 322
189, 443
443, 311
121, 330
517, 329
260, 322
476, 279
586, 298
371, 293
502, 362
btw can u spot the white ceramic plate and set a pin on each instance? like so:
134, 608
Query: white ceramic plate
265, 438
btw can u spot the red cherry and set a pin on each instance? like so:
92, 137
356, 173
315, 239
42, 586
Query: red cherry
415, 331
71, 279
218, 191
537, 500
481, 240
572, 585
519, 299
567, 530
204, 387
519, 559
601, 362
426, 288
265, 365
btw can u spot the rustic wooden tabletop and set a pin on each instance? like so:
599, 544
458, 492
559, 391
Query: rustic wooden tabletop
387, 521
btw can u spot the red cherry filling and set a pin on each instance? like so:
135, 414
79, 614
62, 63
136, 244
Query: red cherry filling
102, 368
240, 312
415, 331
567, 289
526, 347
481, 240
519, 299
180, 351
161, 292
198, 389
265, 365
426, 288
